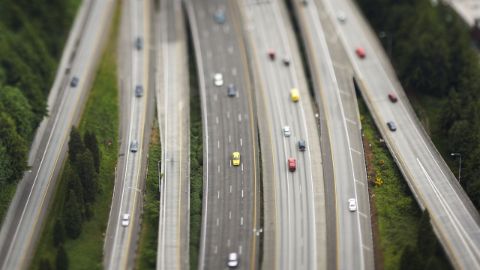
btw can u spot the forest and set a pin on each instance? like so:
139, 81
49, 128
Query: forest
31, 41
433, 54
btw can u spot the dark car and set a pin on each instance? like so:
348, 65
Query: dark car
74, 82
138, 91
301, 145
231, 90
219, 16
392, 97
271, 54
391, 125
139, 43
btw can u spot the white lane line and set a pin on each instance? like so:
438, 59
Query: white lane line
218, 222
215, 250
360, 182
239, 118
240, 248
242, 167
362, 214
356, 151
242, 193
216, 120
367, 248
229, 214
218, 195
241, 221
228, 242
218, 144
350, 121
230, 49
234, 71
228, 114
345, 93
241, 142
218, 168
230, 188
215, 97
229, 138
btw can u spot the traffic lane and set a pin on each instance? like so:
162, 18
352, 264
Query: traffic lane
298, 229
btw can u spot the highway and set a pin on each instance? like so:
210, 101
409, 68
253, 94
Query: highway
333, 80
230, 198
25, 217
172, 92
469, 10
136, 115
298, 217
455, 220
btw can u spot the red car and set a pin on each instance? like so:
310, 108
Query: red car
292, 164
392, 97
360, 52
271, 54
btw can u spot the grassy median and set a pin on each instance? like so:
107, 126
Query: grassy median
101, 117
147, 247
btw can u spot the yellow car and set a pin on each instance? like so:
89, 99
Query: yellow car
294, 95
236, 158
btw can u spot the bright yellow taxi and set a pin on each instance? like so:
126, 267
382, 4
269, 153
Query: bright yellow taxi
235, 158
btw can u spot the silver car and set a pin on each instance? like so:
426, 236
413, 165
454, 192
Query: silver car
134, 146
286, 131
352, 205
125, 220
218, 79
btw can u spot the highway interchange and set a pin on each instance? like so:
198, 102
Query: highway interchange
270, 216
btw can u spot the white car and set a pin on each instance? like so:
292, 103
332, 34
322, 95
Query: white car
352, 205
125, 220
286, 131
341, 16
232, 260
218, 79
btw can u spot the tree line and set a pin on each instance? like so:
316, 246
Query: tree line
32, 34
433, 54
80, 177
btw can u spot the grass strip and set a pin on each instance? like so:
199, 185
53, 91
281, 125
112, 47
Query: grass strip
147, 247
101, 117
394, 210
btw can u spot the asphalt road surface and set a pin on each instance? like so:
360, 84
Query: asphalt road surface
172, 90
298, 215
136, 115
334, 83
25, 216
230, 197
455, 220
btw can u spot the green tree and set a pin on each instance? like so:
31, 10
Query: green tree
58, 233
61, 261
426, 239
90, 140
16, 147
72, 216
86, 171
75, 144
18, 107
44, 264
410, 259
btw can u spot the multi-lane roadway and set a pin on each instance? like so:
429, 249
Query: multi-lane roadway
297, 219
230, 197
136, 116
23, 222
455, 220
333, 81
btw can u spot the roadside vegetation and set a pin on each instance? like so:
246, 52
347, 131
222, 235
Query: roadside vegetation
434, 58
402, 234
147, 247
75, 227
31, 41
196, 157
